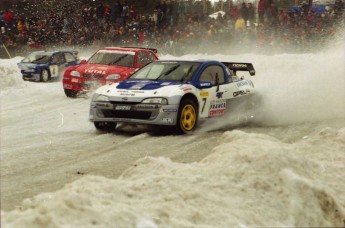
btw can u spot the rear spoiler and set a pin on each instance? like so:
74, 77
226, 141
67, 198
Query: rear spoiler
151, 49
240, 67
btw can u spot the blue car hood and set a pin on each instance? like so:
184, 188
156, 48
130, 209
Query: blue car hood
32, 65
145, 84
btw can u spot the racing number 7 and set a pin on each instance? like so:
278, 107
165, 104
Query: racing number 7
203, 106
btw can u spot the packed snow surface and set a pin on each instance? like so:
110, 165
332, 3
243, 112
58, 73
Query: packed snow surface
289, 170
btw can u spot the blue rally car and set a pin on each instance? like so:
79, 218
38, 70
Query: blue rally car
45, 66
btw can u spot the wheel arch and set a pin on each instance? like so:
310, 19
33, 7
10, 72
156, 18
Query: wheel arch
48, 71
192, 97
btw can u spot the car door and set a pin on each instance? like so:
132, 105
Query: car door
58, 65
214, 100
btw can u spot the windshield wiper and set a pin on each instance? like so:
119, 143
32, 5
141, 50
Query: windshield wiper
118, 60
186, 75
168, 71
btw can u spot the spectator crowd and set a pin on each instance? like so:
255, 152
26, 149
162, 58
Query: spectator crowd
173, 28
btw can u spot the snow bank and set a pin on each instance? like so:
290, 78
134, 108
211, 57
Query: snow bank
10, 75
248, 180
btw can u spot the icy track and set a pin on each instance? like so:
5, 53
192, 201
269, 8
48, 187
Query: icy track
57, 171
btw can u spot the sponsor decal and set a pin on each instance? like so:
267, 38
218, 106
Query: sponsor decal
166, 83
169, 110
239, 65
217, 112
217, 107
75, 80
124, 98
127, 94
91, 71
219, 94
242, 83
204, 94
238, 93
187, 89
204, 84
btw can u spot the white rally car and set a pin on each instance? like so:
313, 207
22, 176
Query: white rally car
176, 93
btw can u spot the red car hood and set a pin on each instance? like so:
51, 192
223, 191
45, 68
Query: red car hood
103, 69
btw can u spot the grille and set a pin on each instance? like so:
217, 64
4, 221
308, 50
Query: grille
141, 115
124, 102
94, 76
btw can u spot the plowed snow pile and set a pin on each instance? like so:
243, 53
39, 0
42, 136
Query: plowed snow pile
249, 180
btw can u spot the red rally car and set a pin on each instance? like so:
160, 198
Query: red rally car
107, 65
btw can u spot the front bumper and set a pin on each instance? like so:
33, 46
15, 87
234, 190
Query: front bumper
80, 84
28, 76
135, 113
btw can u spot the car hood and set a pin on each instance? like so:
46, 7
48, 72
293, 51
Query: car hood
102, 69
25, 66
136, 90
145, 84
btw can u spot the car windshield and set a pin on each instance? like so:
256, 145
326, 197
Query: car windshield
38, 57
173, 71
125, 59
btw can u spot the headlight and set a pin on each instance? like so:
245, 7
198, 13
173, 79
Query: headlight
156, 100
75, 73
113, 77
100, 98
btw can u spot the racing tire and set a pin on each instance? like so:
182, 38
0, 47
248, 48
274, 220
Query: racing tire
44, 77
105, 126
71, 93
187, 118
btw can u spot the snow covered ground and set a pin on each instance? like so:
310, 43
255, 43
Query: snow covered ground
58, 171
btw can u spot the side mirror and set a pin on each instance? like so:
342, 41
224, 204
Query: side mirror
203, 85
83, 61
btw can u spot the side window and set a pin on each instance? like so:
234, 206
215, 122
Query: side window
58, 59
142, 58
69, 57
209, 75
151, 57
